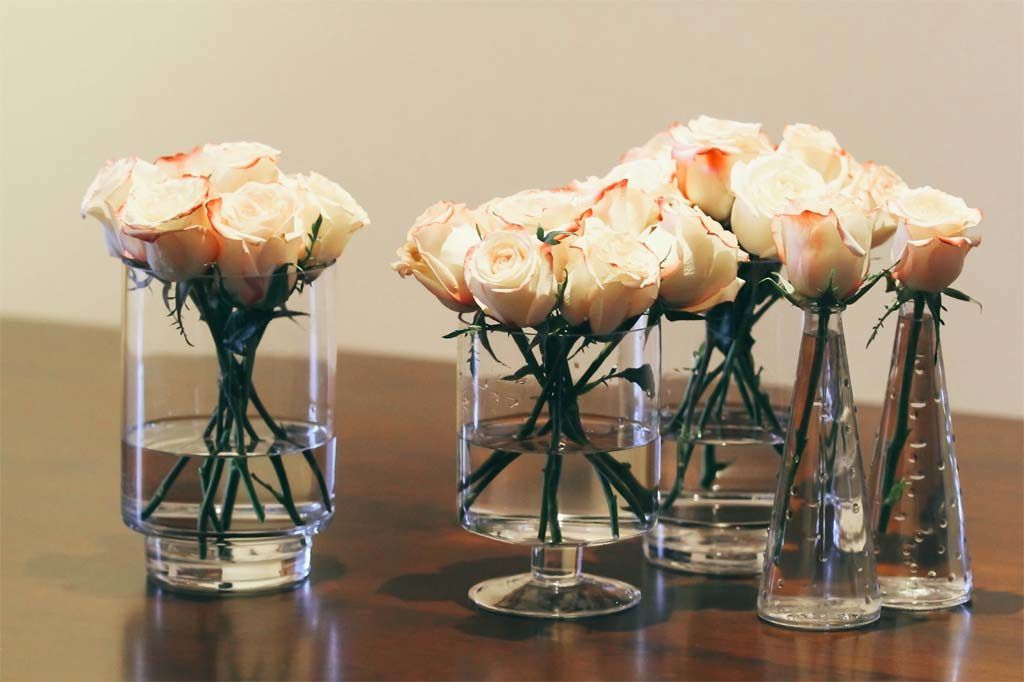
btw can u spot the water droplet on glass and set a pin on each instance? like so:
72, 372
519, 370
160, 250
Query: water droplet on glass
942, 523
957, 556
789, 514
941, 549
911, 458
917, 405
952, 577
931, 574
899, 516
856, 508
917, 476
919, 537
942, 466
576, 365
917, 445
779, 584
910, 492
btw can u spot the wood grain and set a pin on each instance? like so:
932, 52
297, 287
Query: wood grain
387, 599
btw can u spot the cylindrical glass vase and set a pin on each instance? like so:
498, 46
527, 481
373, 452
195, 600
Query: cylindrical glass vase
558, 450
228, 438
819, 571
723, 434
918, 511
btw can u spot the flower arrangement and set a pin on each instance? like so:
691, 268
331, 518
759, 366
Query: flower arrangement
223, 231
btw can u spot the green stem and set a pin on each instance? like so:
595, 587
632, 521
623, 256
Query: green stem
609, 497
164, 486
899, 439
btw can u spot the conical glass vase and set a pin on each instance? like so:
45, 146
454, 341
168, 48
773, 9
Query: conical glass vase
918, 513
819, 571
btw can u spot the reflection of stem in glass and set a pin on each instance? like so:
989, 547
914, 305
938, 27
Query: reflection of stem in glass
902, 432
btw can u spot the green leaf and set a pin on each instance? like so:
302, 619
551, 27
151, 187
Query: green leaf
642, 376
681, 315
519, 374
961, 296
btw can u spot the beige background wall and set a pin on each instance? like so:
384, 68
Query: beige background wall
407, 103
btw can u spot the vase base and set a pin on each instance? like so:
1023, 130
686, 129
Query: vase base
236, 566
524, 595
801, 613
923, 594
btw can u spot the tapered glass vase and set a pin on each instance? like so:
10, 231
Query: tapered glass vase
918, 510
558, 450
723, 433
228, 441
819, 570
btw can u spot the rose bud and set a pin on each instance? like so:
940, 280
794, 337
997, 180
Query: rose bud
261, 230
435, 253
340, 215
932, 239
548, 209
510, 276
612, 277
823, 242
820, 150
107, 194
874, 185
699, 259
764, 187
169, 218
228, 165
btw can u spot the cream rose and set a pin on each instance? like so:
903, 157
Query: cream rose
932, 239
227, 165
341, 215
169, 219
656, 177
261, 228
612, 277
549, 209
511, 278
435, 253
820, 150
107, 194
874, 185
823, 242
699, 259
764, 187
626, 209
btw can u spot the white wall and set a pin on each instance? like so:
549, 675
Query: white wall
408, 103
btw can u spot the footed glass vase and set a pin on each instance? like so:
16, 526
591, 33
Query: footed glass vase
724, 436
228, 442
819, 570
918, 511
558, 450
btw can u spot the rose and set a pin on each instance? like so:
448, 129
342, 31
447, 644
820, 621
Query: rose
341, 215
435, 253
510, 276
873, 185
699, 259
261, 228
823, 242
611, 277
169, 219
549, 209
655, 176
820, 150
625, 208
932, 239
107, 194
764, 187
227, 165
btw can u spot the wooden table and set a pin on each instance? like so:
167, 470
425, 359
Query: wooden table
387, 598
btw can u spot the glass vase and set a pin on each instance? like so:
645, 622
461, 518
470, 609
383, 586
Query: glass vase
918, 512
558, 450
723, 434
228, 438
819, 570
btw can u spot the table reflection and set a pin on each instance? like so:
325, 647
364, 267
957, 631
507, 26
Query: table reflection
229, 638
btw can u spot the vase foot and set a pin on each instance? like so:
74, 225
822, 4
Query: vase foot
802, 613
236, 566
524, 595
923, 594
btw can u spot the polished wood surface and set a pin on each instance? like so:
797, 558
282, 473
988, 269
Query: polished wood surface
387, 597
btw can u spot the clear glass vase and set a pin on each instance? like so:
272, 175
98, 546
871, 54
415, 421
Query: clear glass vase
228, 438
558, 450
819, 571
918, 512
723, 434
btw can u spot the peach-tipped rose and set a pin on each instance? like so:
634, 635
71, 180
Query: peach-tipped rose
626, 208
341, 216
874, 185
820, 150
107, 194
548, 209
227, 165
435, 253
823, 242
764, 187
932, 239
655, 176
169, 219
261, 227
511, 278
699, 259
612, 277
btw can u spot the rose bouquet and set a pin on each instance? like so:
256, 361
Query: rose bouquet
562, 292
234, 245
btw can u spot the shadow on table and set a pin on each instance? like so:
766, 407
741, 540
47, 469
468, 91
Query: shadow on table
664, 593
